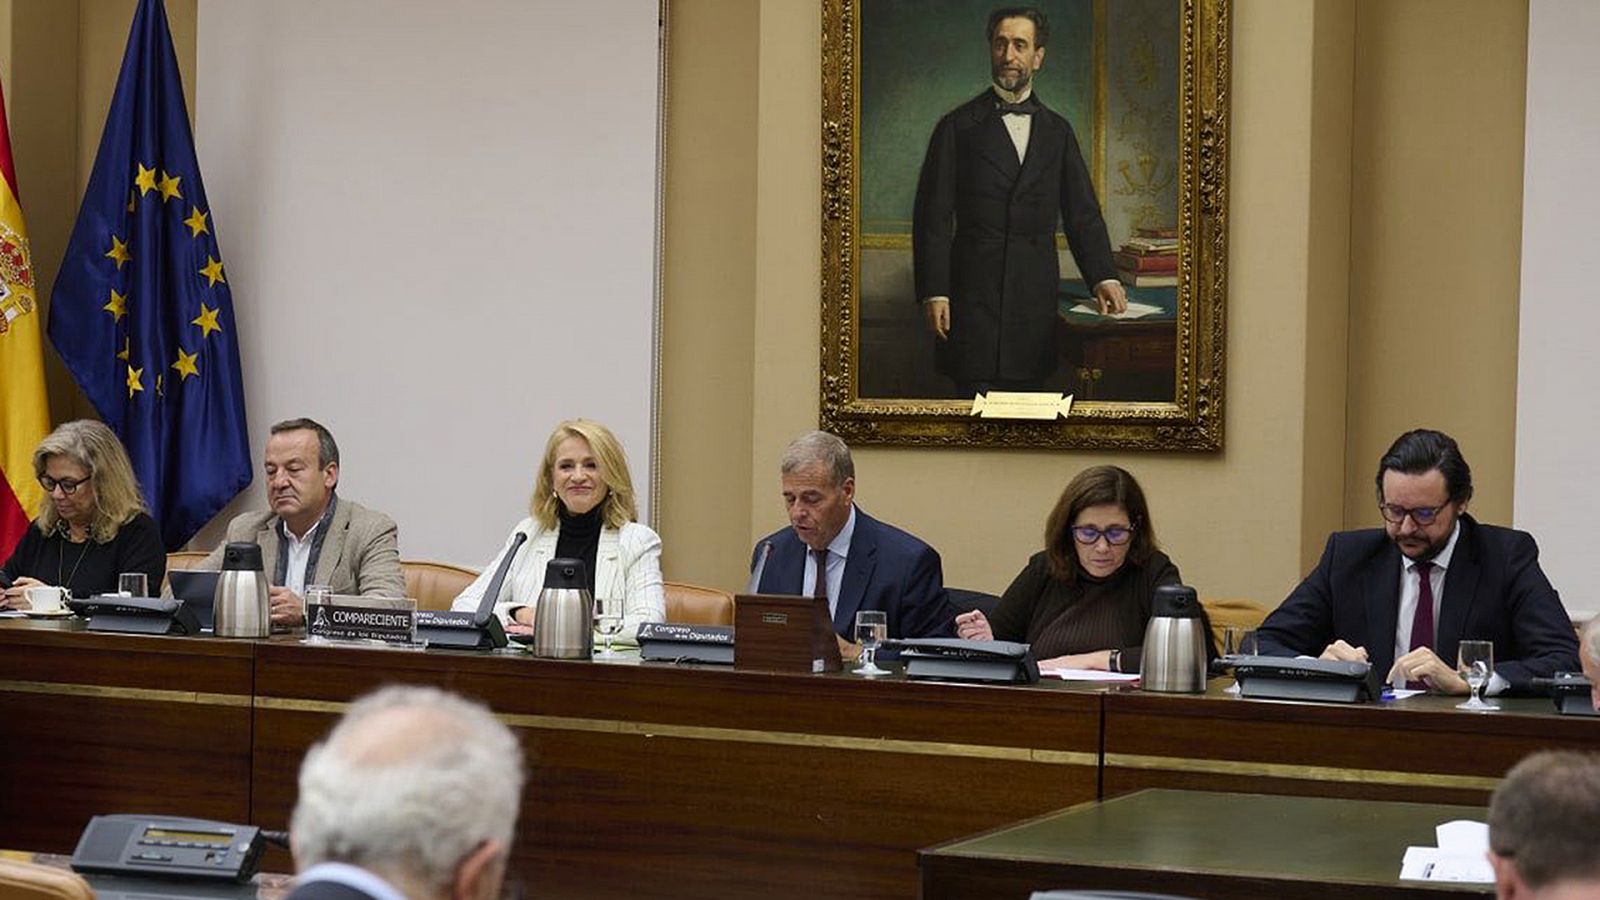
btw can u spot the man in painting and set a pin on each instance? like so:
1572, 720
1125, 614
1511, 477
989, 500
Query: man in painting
1000, 171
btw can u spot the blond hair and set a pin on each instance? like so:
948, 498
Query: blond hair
96, 448
617, 509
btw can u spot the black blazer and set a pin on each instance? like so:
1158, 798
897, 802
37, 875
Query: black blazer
886, 569
1494, 590
326, 890
983, 234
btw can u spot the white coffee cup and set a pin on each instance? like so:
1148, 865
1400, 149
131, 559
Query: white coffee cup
45, 599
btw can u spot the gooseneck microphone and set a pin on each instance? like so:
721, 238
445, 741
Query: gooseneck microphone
490, 596
754, 587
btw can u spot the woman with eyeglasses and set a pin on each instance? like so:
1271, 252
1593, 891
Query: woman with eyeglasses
92, 525
1083, 602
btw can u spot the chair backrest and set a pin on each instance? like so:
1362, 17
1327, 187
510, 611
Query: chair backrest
31, 881
435, 584
690, 604
1226, 611
963, 601
185, 559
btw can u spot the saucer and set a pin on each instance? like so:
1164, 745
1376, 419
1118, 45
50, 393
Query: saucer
47, 614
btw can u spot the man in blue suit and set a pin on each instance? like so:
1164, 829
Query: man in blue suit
833, 548
1405, 596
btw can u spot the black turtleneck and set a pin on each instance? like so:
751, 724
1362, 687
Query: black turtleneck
579, 538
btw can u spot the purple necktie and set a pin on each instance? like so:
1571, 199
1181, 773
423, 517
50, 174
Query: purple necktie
1422, 621
820, 589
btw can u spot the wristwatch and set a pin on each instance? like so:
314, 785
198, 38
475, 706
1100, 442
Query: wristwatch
1115, 664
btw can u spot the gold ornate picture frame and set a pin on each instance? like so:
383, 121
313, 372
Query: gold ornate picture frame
1144, 85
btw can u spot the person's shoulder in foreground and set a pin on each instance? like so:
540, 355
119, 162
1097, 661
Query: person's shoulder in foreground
1543, 819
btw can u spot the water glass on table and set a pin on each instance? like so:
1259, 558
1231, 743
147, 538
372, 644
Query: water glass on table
1475, 664
607, 621
872, 629
133, 584
1237, 640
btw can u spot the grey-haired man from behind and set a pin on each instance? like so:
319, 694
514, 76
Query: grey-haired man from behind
413, 796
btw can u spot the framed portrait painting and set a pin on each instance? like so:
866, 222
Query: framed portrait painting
1025, 222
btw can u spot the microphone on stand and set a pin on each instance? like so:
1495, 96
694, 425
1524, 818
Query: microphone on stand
754, 586
492, 594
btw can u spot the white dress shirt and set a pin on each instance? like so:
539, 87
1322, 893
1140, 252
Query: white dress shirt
294, 577
1411, 592
1017, 125
838, 555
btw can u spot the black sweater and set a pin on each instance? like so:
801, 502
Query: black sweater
91, 568
1092, 614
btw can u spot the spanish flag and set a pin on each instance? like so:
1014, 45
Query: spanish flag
24, 410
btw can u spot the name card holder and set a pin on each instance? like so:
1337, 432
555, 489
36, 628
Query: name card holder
455, 630
348, 619
778, 633
675, 642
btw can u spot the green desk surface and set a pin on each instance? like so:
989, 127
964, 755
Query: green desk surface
1238, 835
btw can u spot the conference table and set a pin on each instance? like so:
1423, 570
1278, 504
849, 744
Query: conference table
663, 780
1220, 846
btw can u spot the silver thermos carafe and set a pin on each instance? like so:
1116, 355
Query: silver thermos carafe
240, 607
1174, 655
563, 621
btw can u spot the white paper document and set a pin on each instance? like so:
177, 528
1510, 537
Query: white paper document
1088, 675
1135, 310
1462, 855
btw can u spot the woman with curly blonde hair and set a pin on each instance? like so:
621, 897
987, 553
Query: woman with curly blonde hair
93, 524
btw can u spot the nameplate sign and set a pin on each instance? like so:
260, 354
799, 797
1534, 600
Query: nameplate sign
1021, 405
675, 642
387, 620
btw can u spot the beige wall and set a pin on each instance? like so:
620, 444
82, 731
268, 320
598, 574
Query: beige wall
1234, 520
709, 290
1436, 237
61, 59
1370, 202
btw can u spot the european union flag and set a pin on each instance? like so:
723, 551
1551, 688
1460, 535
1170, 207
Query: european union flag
141, 310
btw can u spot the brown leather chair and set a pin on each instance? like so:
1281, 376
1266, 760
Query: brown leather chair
690, 604
435, 584
184, 559
31, 881
1236, 611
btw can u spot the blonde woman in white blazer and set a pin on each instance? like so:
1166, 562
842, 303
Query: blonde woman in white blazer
582, 507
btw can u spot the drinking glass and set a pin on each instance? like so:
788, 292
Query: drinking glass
316, 595
607, 620
1475, 662
1238, 640
133, 584
872, 629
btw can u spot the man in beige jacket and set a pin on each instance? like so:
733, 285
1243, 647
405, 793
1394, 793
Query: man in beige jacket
310, 535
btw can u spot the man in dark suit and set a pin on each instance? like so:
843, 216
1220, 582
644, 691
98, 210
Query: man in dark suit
356, 833
1001, 169
834, 549
1403, 597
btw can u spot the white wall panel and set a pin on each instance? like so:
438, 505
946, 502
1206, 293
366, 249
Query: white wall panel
438, 220
1558, 425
